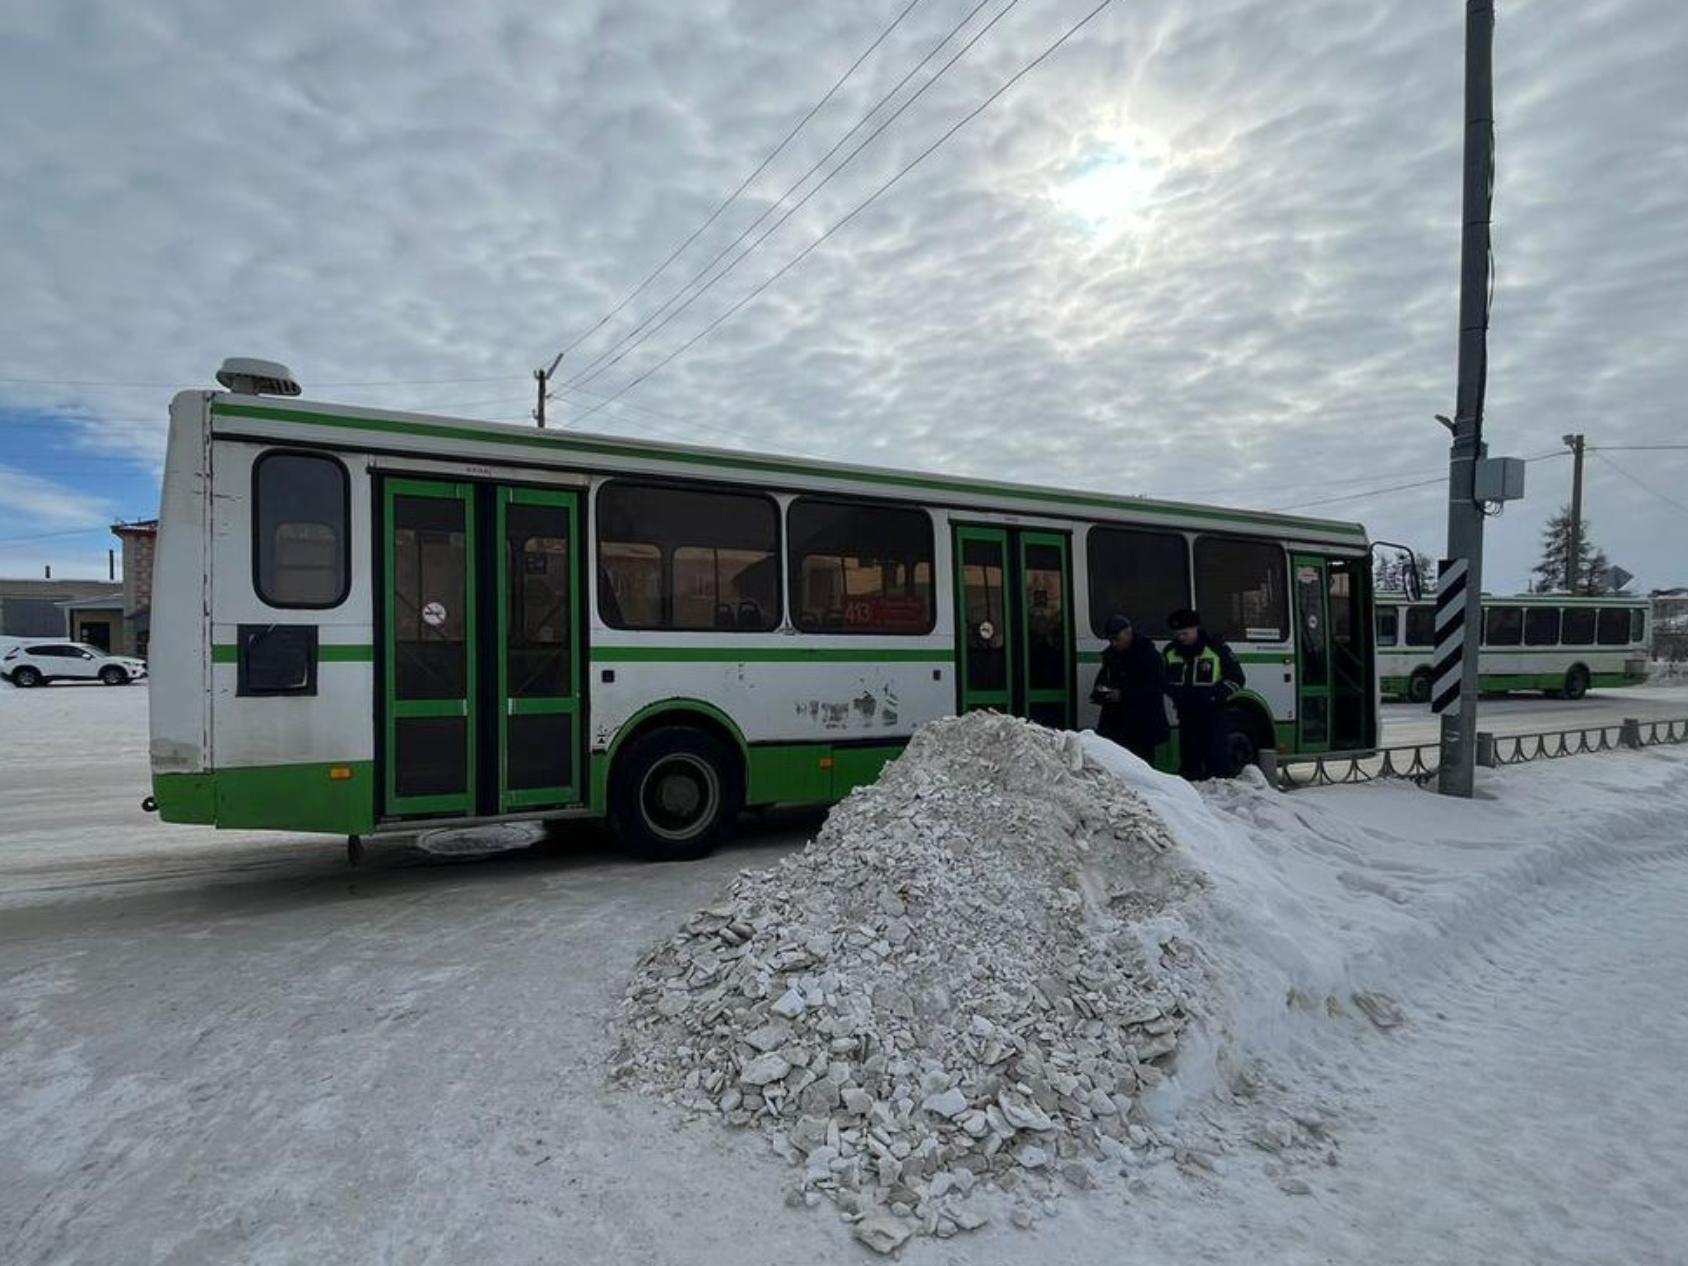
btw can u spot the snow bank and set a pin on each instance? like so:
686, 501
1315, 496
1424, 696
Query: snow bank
1015, 965
949, 988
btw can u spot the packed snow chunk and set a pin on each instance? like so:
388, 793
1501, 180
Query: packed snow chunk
949, 993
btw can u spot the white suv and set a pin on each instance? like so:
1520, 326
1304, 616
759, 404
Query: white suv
41, 662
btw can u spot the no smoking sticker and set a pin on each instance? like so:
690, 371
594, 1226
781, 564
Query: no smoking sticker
433, 614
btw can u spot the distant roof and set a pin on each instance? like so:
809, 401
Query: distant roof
37, 588
141, 527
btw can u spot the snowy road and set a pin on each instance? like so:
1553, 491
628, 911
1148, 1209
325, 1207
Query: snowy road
222, 1048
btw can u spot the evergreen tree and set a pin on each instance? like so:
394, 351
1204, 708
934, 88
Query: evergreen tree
1426, 571
1595, 576
1549, 573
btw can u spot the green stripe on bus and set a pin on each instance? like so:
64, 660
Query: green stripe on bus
229, 653
768, 655
608, 448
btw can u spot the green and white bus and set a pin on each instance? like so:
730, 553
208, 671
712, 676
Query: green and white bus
1560, 645
366, 620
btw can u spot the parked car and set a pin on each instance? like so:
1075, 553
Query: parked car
38, 663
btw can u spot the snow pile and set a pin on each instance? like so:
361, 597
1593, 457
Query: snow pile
947, 995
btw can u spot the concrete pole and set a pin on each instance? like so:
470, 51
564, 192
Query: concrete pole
1456, 775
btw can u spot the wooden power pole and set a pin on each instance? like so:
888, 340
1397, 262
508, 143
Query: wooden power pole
1573, 538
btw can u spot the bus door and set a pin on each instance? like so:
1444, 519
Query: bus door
1013, 615
480, 649
1313, 653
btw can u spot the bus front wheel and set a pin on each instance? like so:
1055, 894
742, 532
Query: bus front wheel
1576, 683
674, 794
1242, 740
1418, 687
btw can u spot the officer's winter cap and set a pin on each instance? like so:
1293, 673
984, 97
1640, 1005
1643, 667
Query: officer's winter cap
1185, 619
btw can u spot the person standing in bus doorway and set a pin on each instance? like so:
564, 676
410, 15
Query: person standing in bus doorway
1131, 687
1201, 676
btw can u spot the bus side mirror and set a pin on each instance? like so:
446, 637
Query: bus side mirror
1411, 581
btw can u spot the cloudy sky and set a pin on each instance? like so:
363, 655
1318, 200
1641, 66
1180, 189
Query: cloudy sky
1204, 250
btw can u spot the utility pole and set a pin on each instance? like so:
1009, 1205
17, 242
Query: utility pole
1573, 540
543, 378
1456, 775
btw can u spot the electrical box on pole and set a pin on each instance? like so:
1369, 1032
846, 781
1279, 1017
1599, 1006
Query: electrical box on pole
1459, 595
1499, 479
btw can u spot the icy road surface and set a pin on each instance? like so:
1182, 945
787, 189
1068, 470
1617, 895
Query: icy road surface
231, 1049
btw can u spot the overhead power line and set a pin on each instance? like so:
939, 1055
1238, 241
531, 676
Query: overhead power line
1639, 483
645, 330
742, 185
861, 206
1403, 487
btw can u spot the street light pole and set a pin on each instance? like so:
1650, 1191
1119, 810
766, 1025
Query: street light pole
1456, 775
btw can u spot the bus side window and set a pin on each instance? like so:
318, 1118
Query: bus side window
1541, 626
1421, 626
1503, 626
301, 548
1145, 575
1614, 626
1242, 590
1637, 625
1388, 625
857, 567
687, 558
1579, 626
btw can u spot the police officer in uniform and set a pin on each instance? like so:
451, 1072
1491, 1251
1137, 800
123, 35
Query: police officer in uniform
1131, 687
1201, 674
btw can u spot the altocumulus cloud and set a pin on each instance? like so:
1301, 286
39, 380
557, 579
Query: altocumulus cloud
1205, 250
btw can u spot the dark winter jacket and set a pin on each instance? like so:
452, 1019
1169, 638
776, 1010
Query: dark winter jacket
1203, 675
1139, 674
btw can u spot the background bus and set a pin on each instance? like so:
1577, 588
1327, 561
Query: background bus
1560, 645
368, 620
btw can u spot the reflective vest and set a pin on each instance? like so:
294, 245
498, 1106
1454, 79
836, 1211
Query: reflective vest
1205, 671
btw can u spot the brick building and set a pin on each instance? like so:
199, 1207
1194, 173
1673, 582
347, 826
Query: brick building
114, 615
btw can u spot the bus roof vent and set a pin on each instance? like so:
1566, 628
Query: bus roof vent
251, 377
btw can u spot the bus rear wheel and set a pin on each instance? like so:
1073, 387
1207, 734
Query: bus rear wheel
1418, 687
1576, 683
674, 794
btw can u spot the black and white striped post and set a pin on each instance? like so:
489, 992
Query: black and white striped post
1449, 670
1459, 586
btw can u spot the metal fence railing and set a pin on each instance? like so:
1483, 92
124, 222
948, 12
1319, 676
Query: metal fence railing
1418, 762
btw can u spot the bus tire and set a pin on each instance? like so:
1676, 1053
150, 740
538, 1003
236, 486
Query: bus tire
1242, 739
1418, 686
675, 793
26, 677
1576, 683
112, 675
